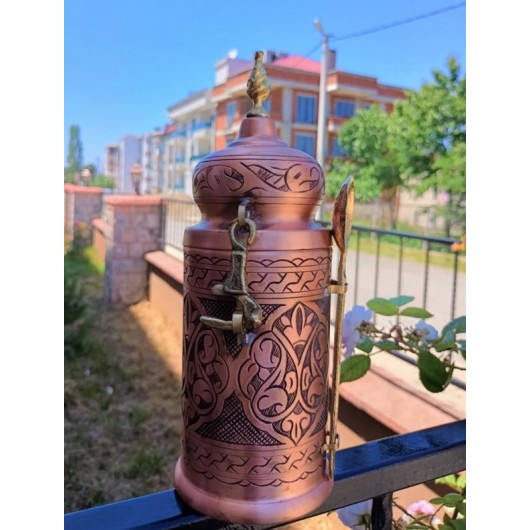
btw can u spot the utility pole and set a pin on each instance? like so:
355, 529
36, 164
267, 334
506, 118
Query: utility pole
322, 105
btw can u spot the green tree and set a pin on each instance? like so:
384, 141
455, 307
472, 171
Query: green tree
365, 141
74, 159
420, 146
428, 134
102, 181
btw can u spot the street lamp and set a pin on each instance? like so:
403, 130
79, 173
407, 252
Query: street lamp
136, 177
322, 103
85, 176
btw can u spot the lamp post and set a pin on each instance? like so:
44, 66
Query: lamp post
85, 176
322, 103
136, 177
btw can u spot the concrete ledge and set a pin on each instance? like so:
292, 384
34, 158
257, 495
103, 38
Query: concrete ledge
394, 404
82, 189
165, 286
133, 200
99, 224
171, 266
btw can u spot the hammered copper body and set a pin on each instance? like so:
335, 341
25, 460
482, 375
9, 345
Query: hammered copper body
255, 412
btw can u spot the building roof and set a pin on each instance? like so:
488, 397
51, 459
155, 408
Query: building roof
298, 62
191, 97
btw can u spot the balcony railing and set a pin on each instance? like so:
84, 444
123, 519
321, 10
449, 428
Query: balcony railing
201, 125
373, 470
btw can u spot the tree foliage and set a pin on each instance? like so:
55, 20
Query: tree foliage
365, 142
74, 159
421, 146
102, 181
429, 133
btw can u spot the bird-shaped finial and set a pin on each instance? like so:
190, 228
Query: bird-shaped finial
258, 88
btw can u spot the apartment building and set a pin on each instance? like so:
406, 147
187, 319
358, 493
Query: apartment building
112, 160
209, 120
152, 162
120, 157
188, 138
294, 100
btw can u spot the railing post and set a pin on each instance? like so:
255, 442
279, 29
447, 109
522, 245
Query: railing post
382, 512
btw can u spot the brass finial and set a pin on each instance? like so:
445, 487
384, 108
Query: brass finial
258, 88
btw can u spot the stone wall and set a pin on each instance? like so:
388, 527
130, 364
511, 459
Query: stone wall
82, 205
132, 228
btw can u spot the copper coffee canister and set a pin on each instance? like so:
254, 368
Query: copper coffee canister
256, 330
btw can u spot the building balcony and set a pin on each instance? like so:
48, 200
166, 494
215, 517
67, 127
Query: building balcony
201, 130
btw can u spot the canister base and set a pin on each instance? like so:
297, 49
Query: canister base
249, 512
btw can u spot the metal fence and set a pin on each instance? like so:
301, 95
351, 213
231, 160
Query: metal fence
177, 214
373, 470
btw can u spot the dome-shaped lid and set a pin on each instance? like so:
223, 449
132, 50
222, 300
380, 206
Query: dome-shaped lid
258, 164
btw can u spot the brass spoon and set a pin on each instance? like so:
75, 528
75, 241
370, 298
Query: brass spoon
341, 222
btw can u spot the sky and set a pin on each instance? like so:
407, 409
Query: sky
126, 62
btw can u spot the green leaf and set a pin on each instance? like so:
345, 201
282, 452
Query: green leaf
386, 345
447, 342
459, 524
354, 368
458, 325
415, 312
449, 480
382, 306
365, 344
461, 507
437, 500
461, 481
434, 374
452, 499
415, 526
401, 300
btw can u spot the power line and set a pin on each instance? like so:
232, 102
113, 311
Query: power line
399, 22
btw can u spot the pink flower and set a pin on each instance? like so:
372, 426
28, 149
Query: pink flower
419, 508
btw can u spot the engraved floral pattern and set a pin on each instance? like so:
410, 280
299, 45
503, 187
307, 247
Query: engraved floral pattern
285, 375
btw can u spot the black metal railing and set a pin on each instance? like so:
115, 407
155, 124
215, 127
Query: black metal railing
373, 470
445, 280
441, 244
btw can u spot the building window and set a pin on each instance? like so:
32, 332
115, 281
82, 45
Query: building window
230, 113
337, 149
305, 143
306, 109
344, 109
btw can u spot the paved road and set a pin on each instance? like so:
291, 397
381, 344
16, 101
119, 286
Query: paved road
439, 289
